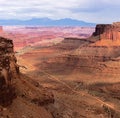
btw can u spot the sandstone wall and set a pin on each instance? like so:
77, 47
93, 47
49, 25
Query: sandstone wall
108, 31
7, 91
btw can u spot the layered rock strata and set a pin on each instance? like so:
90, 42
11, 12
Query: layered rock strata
108, 31
9, 74
7, 58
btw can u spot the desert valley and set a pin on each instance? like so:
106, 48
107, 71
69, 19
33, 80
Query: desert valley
60, 72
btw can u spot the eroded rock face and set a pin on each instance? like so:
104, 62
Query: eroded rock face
7, 91
108, 31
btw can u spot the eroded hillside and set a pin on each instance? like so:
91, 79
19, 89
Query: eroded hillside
83, 75
19, 97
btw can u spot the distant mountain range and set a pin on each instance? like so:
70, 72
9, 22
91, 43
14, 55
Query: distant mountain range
46, 22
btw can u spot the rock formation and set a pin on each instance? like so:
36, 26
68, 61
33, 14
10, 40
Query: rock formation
7, 91
15, 86
108, 31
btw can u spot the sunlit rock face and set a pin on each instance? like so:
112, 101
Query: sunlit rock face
108, 31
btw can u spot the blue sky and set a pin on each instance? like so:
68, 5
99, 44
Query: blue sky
97, 11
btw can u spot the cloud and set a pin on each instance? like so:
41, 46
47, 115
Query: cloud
103, 11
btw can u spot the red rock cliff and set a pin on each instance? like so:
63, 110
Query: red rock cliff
108, 31
7, 91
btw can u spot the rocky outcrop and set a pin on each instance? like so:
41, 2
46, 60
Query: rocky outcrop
108, 31
7, 91
16, 88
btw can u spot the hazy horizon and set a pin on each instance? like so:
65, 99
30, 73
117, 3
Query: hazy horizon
93, 11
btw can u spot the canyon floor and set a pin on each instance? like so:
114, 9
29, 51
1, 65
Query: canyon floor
82, 87
83, 78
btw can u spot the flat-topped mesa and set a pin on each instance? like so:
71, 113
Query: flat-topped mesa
101, 28
108, 31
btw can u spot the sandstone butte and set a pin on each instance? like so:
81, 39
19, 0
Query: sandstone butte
107, 34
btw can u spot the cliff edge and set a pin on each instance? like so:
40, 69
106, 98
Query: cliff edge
107, 34
7, 64
20, 96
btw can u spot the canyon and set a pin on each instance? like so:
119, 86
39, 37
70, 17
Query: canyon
24, 36
65, 72
19, 97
